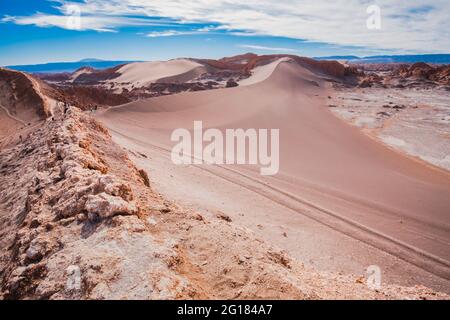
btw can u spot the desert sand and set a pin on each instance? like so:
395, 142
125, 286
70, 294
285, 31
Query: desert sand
329, 171
145, 73
261, 73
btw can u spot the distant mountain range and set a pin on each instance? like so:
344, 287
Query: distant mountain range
427, 58
57, 67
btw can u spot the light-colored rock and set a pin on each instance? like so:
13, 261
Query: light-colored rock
105, 205
35, 252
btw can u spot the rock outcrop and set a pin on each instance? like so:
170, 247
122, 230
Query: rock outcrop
18, 93
395, 75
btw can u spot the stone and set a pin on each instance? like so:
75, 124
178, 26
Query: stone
105, 205
34, 253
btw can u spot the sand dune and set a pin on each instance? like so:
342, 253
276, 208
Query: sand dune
80, 71
323, 161
144, 73
263, 72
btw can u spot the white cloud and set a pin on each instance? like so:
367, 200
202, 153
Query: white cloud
407, 25
91, 22
264, 48
168, 33
171, 33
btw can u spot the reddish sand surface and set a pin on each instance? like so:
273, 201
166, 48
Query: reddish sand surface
144, 73
330, 173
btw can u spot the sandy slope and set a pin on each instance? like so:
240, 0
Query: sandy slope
79, 72
143, 73
9, 122
346, 180
263, 72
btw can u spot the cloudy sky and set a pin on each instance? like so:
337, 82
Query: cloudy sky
36, 31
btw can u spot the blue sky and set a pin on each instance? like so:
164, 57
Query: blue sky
39, 31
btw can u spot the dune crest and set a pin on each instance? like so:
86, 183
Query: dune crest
145, 73
262, 72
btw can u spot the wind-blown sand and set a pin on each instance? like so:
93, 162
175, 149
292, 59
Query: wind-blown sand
145, 73
79, 72
262, 73
329, 171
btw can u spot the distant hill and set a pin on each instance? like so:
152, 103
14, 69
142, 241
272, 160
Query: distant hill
91, 60
427, 58
347, 58
56, 67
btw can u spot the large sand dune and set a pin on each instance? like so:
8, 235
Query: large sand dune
144, 73
354, 184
